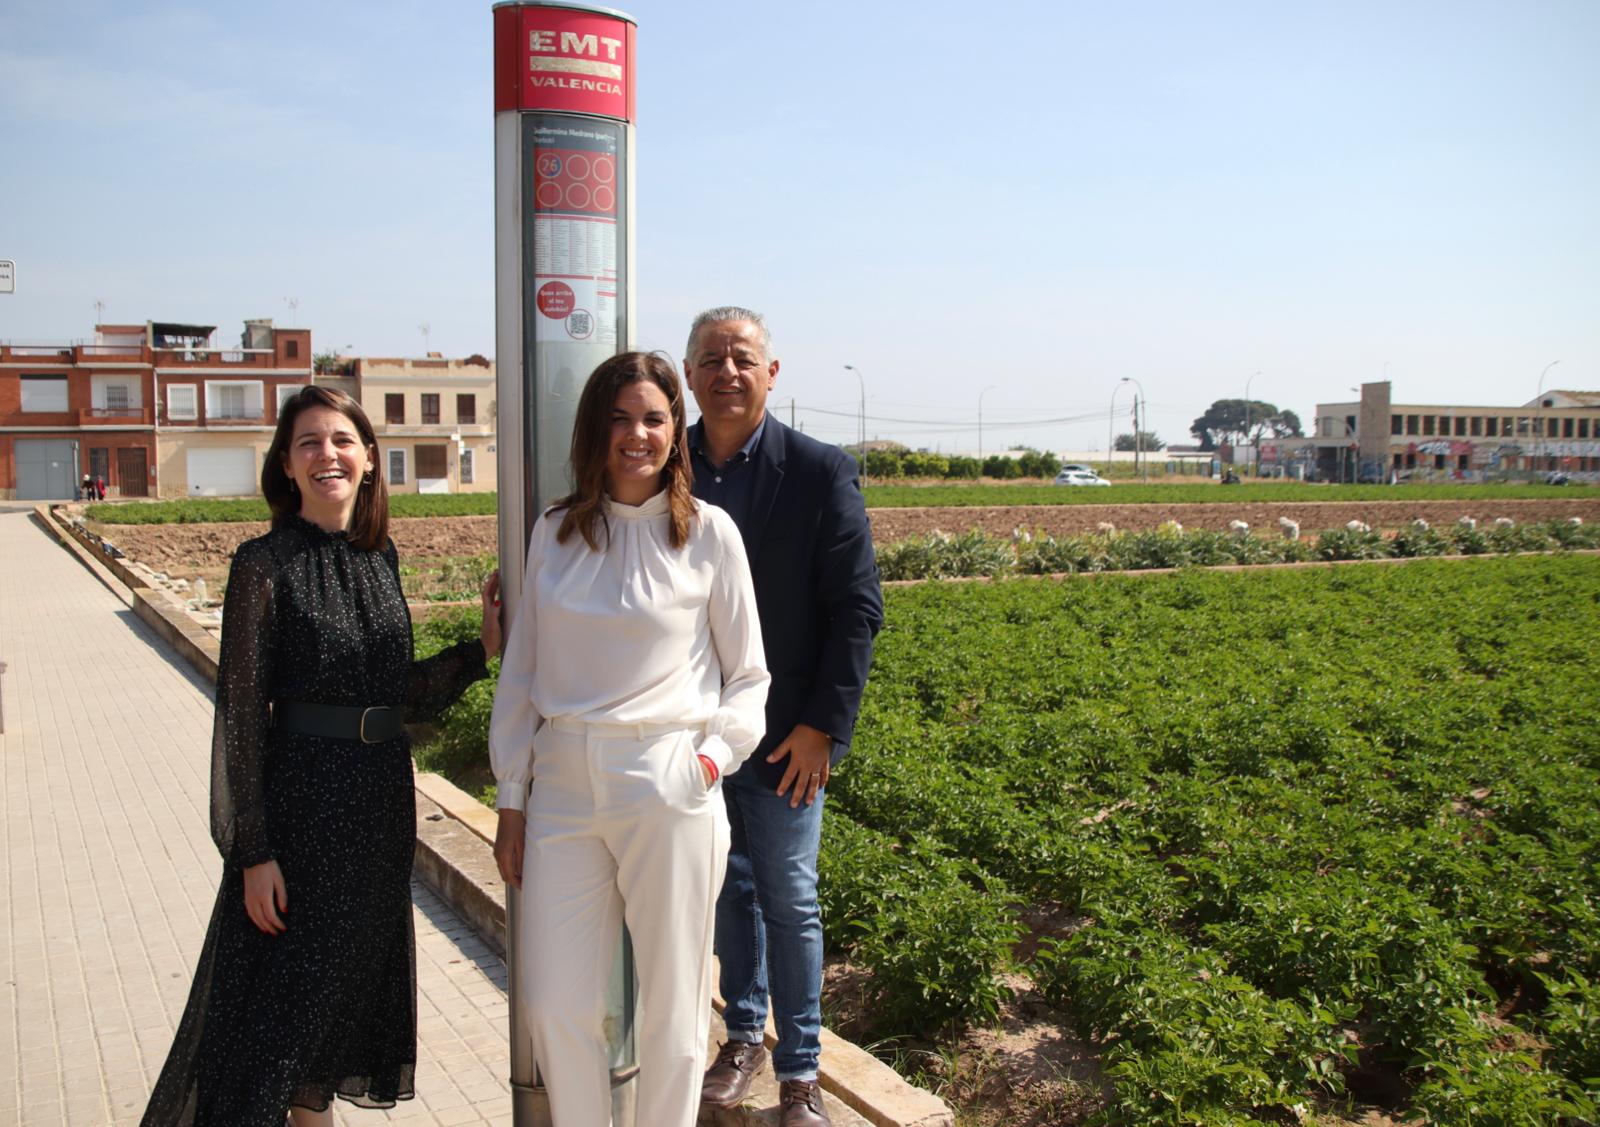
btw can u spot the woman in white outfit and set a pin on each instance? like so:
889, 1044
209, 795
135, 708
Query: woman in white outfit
633, 681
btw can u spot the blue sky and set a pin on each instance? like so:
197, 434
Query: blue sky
1039, 197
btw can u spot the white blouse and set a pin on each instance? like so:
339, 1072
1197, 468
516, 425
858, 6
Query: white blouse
637, 633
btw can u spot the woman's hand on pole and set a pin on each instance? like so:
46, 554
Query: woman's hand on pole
265, 896
493, 629
509, 839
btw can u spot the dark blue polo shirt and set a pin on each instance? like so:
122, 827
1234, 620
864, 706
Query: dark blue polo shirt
727, 486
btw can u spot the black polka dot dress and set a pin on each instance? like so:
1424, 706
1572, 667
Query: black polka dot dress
328, 1007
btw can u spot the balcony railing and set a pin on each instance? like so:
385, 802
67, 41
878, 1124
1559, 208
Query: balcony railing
216, 358
112, 416
125, 353
59, 352
245, 415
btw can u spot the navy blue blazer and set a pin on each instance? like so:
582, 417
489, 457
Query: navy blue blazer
817, 591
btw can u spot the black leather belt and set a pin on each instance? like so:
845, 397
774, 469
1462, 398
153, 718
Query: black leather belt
369, 725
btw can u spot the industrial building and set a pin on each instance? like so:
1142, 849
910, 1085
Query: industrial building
1377, 439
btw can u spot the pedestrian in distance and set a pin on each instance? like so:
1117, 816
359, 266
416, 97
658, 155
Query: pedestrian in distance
799, 509
99, 488
86, 489
306, 986
632, 688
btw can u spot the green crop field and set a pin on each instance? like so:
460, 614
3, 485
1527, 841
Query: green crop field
231, 509
913, 496
1318, 835
1323, 833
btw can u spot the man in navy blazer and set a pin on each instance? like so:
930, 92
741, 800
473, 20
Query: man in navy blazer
799, 508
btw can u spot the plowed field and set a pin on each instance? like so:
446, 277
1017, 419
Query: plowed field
203, 550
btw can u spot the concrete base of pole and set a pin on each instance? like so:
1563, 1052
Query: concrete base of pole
530, 1104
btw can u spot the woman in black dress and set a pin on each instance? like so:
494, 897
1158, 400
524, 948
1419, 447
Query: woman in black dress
306, 986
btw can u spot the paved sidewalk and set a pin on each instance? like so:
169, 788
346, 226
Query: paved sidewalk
108, 874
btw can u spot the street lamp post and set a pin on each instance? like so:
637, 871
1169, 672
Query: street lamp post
1255, 460
1138, 428
1538, 410
1111, 422
981, 394
861, 436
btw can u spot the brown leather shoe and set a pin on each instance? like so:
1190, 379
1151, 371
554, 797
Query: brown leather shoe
800, 1104
727, 1081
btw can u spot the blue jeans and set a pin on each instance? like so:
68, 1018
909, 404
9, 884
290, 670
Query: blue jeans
769, 928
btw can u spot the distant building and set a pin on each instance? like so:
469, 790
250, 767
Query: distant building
219, 407
435, 420
159, 410
153, 409
1374, 439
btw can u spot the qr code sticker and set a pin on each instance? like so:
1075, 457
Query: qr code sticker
580, 324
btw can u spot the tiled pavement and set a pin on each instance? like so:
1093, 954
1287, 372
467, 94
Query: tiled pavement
107, 871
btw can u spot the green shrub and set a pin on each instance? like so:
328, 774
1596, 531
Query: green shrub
1294, 814
995, 465
934, 931
1571, 1026
920, 463
459, 747
938, 556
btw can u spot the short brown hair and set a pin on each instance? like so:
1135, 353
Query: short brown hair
369, 523
591, 447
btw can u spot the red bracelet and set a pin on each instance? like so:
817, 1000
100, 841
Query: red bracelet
710, 766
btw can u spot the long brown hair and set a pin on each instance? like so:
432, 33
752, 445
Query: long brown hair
591, 448
369, 523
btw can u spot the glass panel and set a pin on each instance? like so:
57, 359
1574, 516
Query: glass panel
44, 393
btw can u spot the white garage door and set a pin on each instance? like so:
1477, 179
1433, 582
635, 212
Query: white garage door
226, 472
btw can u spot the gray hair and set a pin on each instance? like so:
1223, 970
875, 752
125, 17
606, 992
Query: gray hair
730, 313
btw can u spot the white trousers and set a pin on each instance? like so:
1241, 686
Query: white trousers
621, 826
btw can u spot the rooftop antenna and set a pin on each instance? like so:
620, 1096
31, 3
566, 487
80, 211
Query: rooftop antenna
424, 329
294, 316
99, 316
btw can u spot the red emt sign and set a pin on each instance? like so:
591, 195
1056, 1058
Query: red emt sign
563, 59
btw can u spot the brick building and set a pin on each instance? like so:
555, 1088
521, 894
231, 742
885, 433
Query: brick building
218, 407
154, 409
73, 409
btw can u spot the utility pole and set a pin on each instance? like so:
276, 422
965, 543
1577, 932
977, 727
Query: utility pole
981, 394
1538, 412
1138, 429
1254, 458
861, 437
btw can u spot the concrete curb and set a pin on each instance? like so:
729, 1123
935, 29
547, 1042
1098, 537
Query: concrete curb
455, 838
153, 607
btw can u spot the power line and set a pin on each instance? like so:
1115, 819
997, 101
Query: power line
964, 424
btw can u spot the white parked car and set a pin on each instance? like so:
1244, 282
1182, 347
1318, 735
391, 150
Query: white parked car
1080, 477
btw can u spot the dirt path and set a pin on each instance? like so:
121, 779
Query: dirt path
191, 551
